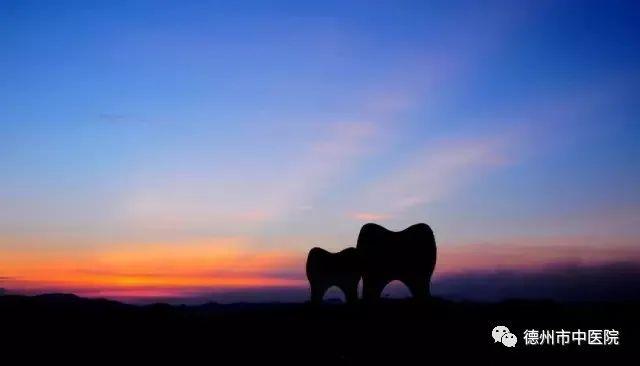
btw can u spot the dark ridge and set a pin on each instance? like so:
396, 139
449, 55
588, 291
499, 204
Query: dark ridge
392, 331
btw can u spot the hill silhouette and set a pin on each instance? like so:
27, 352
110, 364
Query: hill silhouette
59, 326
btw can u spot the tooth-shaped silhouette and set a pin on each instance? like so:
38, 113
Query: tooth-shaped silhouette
408, 256
326, 269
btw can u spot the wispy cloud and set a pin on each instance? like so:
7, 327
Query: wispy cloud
433, 173
247, 197
328, 158
364, 127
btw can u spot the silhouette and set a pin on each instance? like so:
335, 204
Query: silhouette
393, 332
380, 256
326, 269
408, 256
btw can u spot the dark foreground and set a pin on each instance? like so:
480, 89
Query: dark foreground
75, 330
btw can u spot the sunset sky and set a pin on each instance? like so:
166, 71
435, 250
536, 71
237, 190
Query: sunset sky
174, 149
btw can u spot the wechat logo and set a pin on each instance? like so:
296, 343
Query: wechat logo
503, 335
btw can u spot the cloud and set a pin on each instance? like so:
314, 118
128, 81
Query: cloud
433, 173
365, 126
333, 153
248, 199
331, 150
533, 253
614, 281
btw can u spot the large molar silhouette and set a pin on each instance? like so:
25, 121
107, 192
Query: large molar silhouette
326, 269
408, 256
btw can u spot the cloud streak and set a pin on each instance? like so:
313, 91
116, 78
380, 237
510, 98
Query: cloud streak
432, 174
532, 253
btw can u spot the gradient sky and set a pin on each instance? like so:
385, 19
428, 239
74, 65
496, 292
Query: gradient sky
173, 148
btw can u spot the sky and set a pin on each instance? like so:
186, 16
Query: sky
174, 149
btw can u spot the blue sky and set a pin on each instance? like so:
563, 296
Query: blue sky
286, 125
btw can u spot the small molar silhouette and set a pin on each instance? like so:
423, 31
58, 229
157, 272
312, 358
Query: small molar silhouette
408, 256
326, 269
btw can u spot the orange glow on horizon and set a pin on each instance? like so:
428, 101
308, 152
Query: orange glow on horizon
149, 268
182, 269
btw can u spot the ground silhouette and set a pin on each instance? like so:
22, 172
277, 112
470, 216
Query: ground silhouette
67, 328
